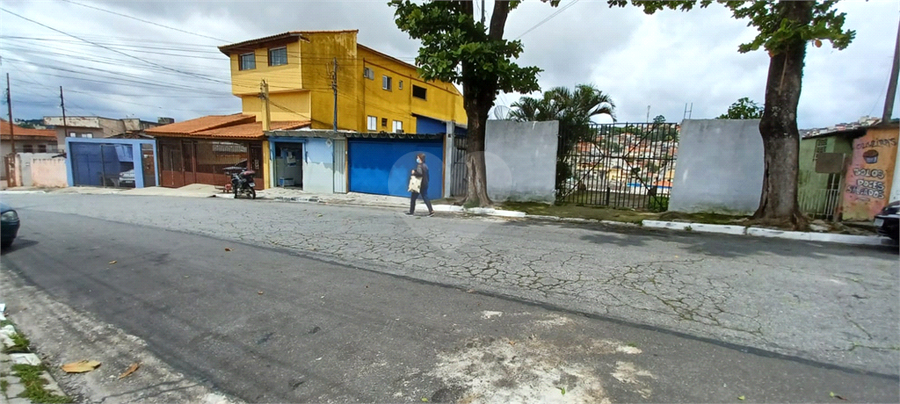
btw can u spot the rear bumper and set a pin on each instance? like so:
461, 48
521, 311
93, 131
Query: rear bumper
890, 226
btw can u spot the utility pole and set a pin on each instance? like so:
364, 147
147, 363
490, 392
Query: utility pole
264, 95
62, 104
892, 85
12, 134
334, 89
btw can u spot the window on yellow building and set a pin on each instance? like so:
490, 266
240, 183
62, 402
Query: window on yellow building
368, 73
278, 56
386, 83
398, 126
419, 92
372, 123
247, 61
400, 85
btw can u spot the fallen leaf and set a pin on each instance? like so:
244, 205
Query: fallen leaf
471, 291
131, 369
80, 366
512, 342
424, 400
741, 398
227, 249
260, 292
319, 215
563, 390
837, 396
112, 262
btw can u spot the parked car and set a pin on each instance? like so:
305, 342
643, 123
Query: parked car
887, 223
126, 178
9, 225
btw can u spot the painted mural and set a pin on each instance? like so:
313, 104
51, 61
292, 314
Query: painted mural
870, 174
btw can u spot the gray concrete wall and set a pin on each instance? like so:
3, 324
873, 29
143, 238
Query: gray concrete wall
719, 167
318, 168
521, 160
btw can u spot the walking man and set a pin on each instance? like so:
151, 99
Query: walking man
421, 171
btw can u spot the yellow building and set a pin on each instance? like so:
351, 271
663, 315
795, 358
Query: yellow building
375, 92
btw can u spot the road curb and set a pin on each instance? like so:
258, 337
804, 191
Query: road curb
14, 384
770, 233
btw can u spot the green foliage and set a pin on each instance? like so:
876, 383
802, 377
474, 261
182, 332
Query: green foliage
744, 108
777, 29
457, 48
30, 376
659, 203
20, 344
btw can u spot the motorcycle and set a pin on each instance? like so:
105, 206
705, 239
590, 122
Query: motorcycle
242, 181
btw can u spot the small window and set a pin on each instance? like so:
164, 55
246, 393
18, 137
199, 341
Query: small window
372, 123
386, 84
384, 122
247, 61
88, 135
400, 85
419, 92
28, 148
398, 126
42, 148
821, 147
73, 134
278, 56
368, 73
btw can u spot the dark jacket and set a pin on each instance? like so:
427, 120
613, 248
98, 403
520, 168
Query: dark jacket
422, 172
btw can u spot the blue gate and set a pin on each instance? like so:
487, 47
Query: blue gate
382, 166
125, 163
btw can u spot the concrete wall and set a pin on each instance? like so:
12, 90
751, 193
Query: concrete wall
870, 174
720, 167
49, 172
521, 160
23, 169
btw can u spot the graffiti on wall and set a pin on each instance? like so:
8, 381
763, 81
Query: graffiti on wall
869, 175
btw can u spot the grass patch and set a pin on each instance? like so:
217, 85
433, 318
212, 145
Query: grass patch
5, 323
583, 212
34, 385
707, 218
20, 344
4, 385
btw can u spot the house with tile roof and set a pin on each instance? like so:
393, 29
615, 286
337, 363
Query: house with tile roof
196, 151
27, 141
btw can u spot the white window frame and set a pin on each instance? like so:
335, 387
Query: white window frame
398, 126
369, 73
241, 61
371, 123
386, 83
280, 48
400, 85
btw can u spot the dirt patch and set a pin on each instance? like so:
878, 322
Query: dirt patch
581, 212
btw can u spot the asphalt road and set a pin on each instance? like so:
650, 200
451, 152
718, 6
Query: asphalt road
334, 304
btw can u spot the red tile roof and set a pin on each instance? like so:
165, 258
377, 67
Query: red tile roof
5, 129
201, 124
251, 130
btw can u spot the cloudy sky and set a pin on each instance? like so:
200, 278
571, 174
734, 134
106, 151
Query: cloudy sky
149, 59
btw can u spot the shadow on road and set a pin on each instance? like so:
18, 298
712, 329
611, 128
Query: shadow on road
717, 245
19, 244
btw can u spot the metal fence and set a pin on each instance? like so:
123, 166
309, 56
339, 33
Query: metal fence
458, 167
624, 165
822, 203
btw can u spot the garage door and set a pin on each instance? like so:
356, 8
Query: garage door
382, 167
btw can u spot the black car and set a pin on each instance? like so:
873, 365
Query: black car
887, 223
9, 225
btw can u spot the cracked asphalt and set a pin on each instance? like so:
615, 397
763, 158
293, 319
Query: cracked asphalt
830, 304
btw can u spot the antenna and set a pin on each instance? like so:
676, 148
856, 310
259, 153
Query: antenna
687, 112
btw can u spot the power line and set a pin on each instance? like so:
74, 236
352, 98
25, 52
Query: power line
548, 18
107, 48
146, 21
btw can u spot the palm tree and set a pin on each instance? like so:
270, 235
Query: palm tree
573, 110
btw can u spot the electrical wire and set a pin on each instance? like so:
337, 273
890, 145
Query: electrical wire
550, 17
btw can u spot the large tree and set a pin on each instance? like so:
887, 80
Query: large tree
784, 30
458, 48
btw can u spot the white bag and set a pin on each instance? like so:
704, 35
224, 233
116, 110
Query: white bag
415, 184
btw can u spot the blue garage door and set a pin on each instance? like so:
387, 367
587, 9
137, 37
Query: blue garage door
382, 167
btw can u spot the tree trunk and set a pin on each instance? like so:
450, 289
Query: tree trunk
476, 171
778, 127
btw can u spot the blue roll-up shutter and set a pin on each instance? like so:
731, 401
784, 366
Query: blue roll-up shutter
382, 166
